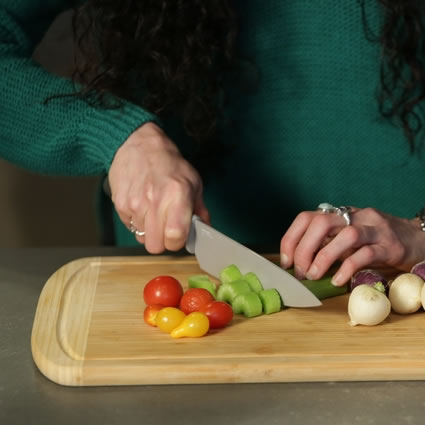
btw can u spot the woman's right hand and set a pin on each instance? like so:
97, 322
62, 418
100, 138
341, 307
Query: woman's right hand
156, 188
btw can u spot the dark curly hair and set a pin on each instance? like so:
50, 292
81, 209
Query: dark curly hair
402, 71
169, 55
176, 53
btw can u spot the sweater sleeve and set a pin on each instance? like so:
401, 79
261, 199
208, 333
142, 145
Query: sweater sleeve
64, 136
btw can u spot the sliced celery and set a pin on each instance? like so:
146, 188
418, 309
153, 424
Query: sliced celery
271, 301
203, 281
227, 292
230, 274
253, 281
248, 303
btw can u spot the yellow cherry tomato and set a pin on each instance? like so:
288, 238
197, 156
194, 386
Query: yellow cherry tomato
169, 318
194, 325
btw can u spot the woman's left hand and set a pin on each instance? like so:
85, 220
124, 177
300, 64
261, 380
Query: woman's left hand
315, 241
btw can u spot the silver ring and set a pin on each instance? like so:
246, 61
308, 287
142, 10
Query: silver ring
343, 211
134, 230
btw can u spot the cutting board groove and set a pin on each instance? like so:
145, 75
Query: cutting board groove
89, 330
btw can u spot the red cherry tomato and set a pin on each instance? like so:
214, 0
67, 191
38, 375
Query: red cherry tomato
219, 314
195, 299
149, 315
164, 290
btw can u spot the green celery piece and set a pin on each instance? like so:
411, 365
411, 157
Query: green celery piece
203, 281
271, 301
323, 288
253, 281
230, 274
248, 303
227, 292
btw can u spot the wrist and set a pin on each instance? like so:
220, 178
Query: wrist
151, 137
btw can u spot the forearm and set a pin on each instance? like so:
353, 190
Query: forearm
64, 136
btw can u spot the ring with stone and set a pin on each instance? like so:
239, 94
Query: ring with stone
326, 208
134, 230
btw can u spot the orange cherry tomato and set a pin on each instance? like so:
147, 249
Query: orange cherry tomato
150, 313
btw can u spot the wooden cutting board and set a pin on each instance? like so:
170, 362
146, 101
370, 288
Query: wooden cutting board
89, 330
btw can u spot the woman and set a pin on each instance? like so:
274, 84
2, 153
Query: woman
274, 104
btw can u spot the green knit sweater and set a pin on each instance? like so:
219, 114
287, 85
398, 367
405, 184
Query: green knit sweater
310, 133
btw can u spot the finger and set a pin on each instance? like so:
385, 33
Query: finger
154, 230
153, 219
371, 216
125, 218
177, 226
128, 211
348, 238
363, 257
138, 230
178, 216
292, 237
314, 237
136, 210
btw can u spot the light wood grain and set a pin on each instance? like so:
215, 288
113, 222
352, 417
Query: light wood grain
89, 330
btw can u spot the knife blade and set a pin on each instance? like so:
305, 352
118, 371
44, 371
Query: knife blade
215, 251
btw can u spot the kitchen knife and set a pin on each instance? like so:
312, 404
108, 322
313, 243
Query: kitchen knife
215, 251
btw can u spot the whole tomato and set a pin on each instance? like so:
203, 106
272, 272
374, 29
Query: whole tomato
150, 313
169, 318
164, 290
194, 325
219, 314
195, 299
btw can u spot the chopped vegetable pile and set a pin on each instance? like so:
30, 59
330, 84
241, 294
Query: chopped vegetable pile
203, 306
172, 310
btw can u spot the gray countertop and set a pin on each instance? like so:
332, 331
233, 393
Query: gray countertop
27, 397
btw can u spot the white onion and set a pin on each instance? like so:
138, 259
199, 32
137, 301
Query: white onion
368, 306
405, 293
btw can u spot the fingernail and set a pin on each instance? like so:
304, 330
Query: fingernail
299, 274
284, 260
173, 233
312, 273
337, 280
